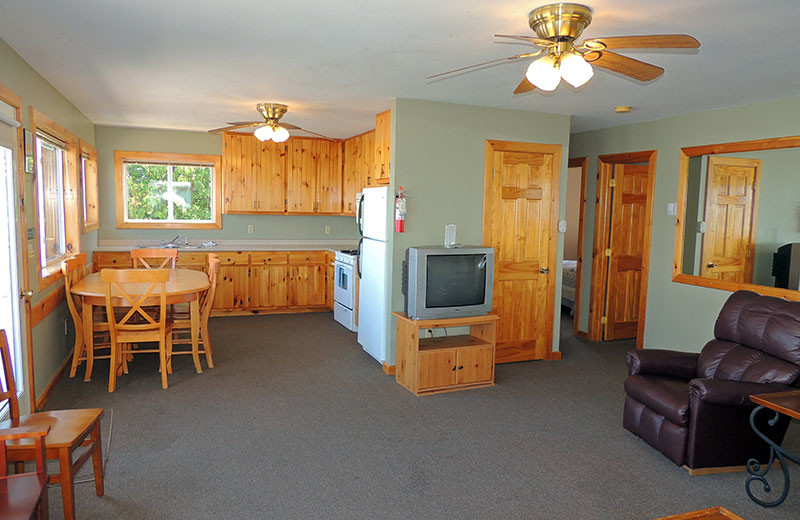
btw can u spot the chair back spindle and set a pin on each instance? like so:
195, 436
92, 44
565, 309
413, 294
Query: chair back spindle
7, 385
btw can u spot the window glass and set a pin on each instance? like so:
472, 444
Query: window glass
50, 181
168, 192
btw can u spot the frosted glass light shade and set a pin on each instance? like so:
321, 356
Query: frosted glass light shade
575, 70
280, 134
264, 133
543, 73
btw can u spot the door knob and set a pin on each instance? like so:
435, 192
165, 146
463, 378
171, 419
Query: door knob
25, 294
544, 270
712, 265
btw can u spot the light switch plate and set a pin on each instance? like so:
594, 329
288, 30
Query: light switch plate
672, 208
562, 226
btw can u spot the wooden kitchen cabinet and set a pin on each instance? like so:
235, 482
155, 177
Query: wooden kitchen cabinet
357, 168
269, 287
314, 176
253, 175
445, 363
381, 160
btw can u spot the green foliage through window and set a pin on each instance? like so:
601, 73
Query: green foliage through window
168, 192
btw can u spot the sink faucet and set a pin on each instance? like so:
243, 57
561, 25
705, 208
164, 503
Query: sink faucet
176, 240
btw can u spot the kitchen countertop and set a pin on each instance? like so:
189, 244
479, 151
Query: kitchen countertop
235, 245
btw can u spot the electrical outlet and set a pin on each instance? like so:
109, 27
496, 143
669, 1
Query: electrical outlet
430, 333
327, 229
250, 229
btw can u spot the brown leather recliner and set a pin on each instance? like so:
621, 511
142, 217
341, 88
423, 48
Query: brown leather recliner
695, 408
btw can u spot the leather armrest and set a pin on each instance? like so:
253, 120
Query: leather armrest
736, 393
681, 365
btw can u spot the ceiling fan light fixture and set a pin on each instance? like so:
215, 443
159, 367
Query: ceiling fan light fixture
264, 133
280, 134
575, 70
544, 73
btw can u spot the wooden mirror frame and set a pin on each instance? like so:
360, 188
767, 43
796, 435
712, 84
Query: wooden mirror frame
683, 181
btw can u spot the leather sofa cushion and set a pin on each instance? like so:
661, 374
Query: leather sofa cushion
664, 395
734, 362
769, 324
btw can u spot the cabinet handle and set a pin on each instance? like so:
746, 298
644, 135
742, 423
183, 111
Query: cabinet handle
712, 265
454, 368
461, 367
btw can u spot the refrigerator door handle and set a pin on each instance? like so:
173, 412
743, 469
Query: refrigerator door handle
358, 257
360, 215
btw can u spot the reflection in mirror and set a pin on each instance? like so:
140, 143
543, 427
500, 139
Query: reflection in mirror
740, 208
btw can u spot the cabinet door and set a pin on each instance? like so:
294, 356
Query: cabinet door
268, 286
436, 369
329, 177
367, 162
351, 175
270, 188
231, 287
307, 286
382, 140
474, 365
237, 173
301, 178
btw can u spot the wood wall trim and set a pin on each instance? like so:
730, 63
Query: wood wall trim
389, 369
678, 276
122, 155
12, 98
583, 164
50, 302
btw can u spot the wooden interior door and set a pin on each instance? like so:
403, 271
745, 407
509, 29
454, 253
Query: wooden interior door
626, 244
520, 192
732, 185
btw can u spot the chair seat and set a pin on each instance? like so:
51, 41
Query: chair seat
67, 427
664, 395
19, 495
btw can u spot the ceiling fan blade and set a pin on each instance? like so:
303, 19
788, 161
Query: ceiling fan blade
235, 127
628, 66
524, 86
237, 123
289, 126
653, 41
511, 58
530, 39
293, 127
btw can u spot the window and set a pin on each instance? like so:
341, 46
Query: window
168, 190
91, 217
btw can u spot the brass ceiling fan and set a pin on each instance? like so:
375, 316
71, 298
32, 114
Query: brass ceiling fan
557, 27
269, 128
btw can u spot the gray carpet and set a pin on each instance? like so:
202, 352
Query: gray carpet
297, 422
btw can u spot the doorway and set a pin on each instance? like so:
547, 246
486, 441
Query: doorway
621, 252
575, 216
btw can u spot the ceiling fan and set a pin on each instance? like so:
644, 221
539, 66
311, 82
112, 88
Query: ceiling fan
557, 27
269, 128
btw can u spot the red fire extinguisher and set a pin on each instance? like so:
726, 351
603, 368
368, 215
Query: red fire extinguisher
400, 211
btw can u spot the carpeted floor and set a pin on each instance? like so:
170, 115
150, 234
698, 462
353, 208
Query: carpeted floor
297, 422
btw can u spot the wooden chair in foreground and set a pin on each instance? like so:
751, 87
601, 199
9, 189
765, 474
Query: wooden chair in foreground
69, 429
24, 496
139, 324
74, 270
162, 257
182, 318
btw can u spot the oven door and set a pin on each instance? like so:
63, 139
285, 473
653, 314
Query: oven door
344, 287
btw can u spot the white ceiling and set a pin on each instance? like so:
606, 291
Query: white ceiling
198, 64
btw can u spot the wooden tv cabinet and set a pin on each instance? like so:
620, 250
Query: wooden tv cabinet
445, 363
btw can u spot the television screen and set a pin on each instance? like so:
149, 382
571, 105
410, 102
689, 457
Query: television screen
455, 280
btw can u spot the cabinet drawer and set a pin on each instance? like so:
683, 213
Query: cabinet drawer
108, 259
307, 257
269, 258
233, 258
192, 259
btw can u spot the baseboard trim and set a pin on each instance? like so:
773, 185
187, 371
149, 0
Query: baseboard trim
215, 313
554, 356
52, 385
721, 469
389, 369
583, 335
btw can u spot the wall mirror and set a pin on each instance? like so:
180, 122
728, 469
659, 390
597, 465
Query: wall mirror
739, 216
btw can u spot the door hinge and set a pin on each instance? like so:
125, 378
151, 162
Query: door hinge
603, 320
613, 183
607, 252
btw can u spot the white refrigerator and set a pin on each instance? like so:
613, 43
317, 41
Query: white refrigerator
373, 306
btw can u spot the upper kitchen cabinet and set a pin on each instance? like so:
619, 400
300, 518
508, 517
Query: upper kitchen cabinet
253, 174
383, 128
357, 168
314, 176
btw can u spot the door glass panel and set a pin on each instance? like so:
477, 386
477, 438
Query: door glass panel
9, 289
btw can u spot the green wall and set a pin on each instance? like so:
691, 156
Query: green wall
51, 346
438, 157
111, 138
679, 316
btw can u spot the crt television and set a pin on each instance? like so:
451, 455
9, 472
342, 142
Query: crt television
786, 266
441, 282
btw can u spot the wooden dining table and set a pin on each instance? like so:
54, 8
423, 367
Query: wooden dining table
183, 286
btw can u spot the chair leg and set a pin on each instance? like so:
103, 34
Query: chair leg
206, 344
162, 354
97, 460
125, 355
67, 483
77, 353
169, 352
112, 371
194, 313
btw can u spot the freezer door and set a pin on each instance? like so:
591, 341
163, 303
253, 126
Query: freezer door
374, 213
373, 308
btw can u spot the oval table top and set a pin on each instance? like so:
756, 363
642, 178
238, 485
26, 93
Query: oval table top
182, 283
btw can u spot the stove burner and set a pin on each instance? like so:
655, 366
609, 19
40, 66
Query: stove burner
349, 251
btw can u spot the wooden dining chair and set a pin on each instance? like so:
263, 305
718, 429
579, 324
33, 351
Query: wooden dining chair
181, 315
24, 496
74, 270
69, 430
132, 288
148, 258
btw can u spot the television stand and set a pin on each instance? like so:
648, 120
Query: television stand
445, 363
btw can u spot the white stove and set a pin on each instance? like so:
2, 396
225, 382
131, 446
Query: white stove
344, 289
